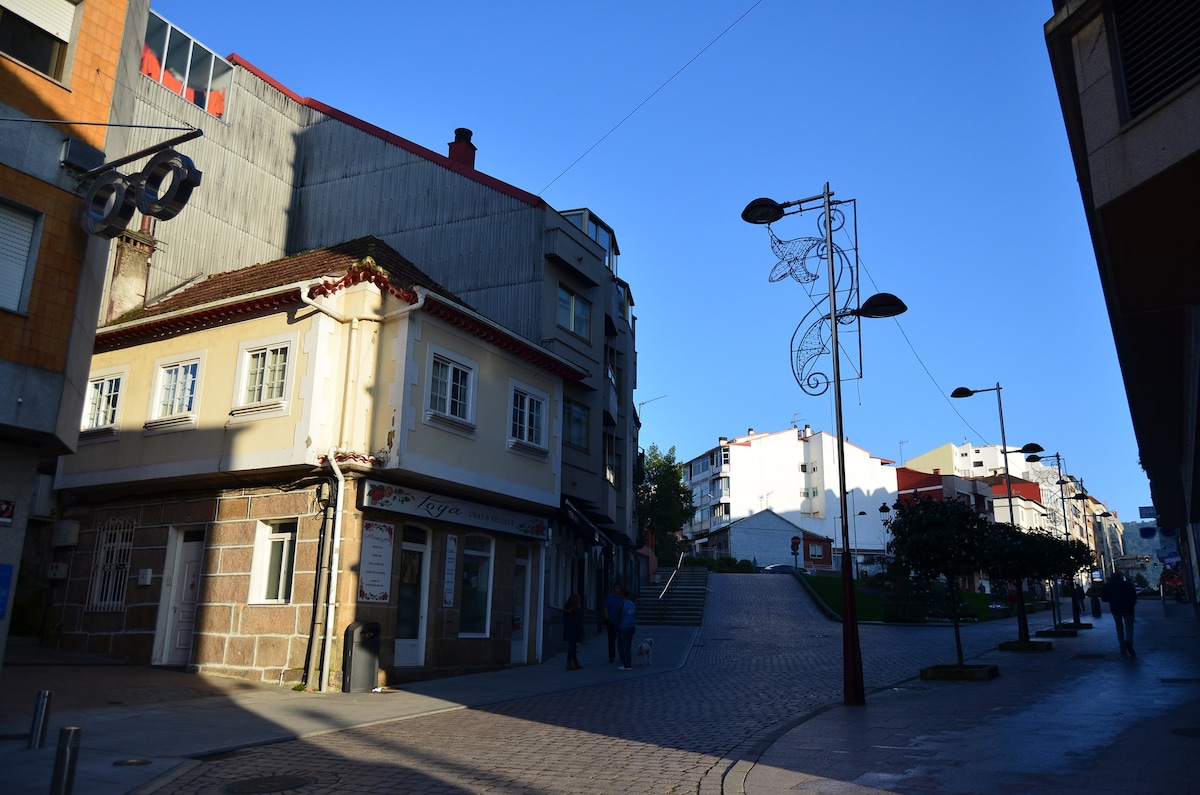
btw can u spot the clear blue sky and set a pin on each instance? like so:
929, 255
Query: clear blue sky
940, 118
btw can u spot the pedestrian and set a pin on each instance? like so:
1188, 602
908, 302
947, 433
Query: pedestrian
1122, 599
1076, 602
612, 619
573, 630
628, 625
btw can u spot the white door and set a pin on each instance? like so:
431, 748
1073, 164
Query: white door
181, 622
520, 614
411, 598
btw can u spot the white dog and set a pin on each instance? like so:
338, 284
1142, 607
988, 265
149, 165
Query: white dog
645, 652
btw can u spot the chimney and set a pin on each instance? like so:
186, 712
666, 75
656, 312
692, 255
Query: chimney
749, 431
722, 439
461, 148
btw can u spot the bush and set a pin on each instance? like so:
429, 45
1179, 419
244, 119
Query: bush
722, 565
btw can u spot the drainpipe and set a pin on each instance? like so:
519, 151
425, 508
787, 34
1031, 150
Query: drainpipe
331, 602
541, 609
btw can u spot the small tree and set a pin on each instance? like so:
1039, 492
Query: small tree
933, 539
664, 503
1015, 554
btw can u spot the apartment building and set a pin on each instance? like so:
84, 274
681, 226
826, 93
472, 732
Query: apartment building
794, 474
1128, 77
330, 440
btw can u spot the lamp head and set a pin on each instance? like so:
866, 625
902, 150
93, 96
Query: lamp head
1032, 449
762, 211
962, 392
882, 305
1033, 458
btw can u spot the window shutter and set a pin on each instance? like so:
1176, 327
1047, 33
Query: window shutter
56, 17
16, 241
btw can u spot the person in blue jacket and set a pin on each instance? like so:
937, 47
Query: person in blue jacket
627, 627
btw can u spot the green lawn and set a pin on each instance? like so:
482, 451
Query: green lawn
870, 603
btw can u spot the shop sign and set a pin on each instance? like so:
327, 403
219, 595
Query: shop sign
414, 502
375, 568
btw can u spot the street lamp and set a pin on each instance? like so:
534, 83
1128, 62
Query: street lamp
964, 392
794, 257
1060, 464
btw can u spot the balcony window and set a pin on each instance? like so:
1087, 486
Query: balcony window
173, 59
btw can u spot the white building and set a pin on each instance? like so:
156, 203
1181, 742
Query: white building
794, 474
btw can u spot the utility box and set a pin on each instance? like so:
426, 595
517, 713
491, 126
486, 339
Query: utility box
360, 657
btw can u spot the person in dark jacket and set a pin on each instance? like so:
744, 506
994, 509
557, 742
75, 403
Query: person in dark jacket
1122, 599
573, 630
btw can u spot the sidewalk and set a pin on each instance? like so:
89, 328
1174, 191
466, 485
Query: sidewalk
142, 726
1079, 718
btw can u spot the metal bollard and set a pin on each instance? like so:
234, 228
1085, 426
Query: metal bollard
41, 720
65, 759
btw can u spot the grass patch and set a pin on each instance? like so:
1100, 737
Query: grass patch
870, 601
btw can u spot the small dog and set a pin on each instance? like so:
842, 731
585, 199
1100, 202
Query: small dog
645, 652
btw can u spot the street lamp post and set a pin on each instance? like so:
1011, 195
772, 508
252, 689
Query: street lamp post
1061, 465
965, 392
794, 255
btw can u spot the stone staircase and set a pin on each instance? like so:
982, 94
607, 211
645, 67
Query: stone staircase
683, 603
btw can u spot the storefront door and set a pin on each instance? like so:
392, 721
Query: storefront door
412, 598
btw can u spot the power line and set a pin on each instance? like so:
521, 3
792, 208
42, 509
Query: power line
653, 93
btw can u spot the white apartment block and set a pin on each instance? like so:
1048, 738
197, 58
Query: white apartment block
794, 474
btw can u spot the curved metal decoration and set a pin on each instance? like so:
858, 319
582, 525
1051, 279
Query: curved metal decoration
802, 258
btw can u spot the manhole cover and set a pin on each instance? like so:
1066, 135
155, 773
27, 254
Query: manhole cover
1189, 732
261, 786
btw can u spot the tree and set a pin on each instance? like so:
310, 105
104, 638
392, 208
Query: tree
1016, 555
933, 539
664, 503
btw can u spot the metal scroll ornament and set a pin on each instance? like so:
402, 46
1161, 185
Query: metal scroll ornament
803, 259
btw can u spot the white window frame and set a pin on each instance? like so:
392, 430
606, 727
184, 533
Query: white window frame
574, 300
522, 436
244, 408
442, 417
20, 236
103, 379
816, 551
489, 568
162, 420
281, 535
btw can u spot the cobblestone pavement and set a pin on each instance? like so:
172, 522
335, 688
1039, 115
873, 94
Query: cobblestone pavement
764, 657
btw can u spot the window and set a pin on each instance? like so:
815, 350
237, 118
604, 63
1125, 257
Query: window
804, 467
575, 424
816, 551
110, 567
38, 35
103, 399
266, 372
186, 67
528, 425
976, 463
612, 461
476, 587
262, 384
450, 391
178, 392
574, 313
271, 568
175, 397
19, 232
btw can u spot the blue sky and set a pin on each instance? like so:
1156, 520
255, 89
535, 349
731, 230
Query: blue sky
939, 117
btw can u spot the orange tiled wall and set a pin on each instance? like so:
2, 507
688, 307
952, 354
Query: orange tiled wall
39, 338
92, 65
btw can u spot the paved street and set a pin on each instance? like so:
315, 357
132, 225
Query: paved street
764, 657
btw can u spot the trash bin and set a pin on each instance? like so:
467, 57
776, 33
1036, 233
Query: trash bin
360, 657
1095, 607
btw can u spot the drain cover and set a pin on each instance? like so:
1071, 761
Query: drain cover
261, 786
130, 762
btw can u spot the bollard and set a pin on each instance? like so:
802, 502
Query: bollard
65, 759
41, 720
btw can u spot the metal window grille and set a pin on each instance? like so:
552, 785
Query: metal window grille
1159, 46
110, 569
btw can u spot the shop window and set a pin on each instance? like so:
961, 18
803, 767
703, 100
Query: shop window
476, 587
